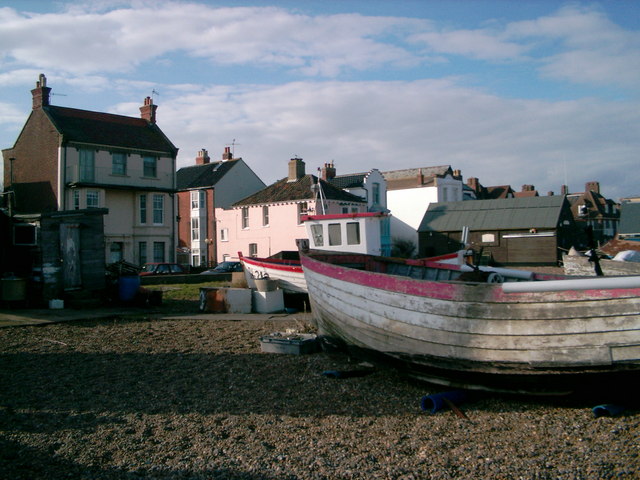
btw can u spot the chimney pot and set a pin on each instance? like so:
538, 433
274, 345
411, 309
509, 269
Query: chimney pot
148, 110
41, 93
203, 157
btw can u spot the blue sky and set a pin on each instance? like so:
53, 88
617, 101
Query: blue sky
528, 92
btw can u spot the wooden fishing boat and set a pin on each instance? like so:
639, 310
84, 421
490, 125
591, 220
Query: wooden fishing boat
287, 273
499, 330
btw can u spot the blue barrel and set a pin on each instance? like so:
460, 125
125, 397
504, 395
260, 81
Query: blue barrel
128, 287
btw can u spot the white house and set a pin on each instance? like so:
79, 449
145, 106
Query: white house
410, 191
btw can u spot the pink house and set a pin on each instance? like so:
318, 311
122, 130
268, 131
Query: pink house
270, 221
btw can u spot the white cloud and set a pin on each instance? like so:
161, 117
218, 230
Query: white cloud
591, 49
393, 125
86, 42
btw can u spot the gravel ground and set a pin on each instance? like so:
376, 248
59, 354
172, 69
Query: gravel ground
169, 398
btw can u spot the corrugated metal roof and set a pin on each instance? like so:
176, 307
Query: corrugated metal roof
500, 214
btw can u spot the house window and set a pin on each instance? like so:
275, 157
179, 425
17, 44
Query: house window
345, 209
158, 209
150, 167
142, 252
158, 251
93, 199
245, 217
195, 230
198, 199
87, 165
335, 235
118, 163
76, 199
253, 249
224, 235
375, 193
143, 209
302, 210
265, 216
195, 257
353, 233
115, 252
316, 235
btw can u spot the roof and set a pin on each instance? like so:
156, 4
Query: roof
629, 218
299, 190
502, 214
348, 181
106, 129
440, 170
206, 175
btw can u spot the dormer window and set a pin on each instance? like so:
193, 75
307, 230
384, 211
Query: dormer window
582, 210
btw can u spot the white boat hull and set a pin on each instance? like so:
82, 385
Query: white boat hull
477, 328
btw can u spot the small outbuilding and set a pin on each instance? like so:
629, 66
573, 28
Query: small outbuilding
509, 231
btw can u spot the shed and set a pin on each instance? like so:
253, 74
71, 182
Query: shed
513, 231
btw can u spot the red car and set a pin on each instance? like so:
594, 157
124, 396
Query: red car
162, 269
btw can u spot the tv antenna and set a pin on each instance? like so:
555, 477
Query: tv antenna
233, 147
154, 92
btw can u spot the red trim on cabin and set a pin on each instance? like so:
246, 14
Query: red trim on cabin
340, 216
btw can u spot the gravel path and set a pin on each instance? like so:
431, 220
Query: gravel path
196, 398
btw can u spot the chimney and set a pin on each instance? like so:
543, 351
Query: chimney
203, 157
296, 169
550, 193
148, 110
528, 188
564, 190
457, 173
41, 93
227, 155
328, 172
473, 183
592, 187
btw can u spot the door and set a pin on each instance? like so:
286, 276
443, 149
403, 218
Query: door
70, 246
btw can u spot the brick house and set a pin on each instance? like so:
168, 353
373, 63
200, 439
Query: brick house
591, 208
202, 188
71, 159
270, 221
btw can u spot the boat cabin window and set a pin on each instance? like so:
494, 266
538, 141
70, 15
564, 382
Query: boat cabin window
353, 233
316, 234
335, 235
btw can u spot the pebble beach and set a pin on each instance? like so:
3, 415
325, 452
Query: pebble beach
195, 397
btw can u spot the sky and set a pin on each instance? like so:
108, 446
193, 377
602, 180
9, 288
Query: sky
533, 92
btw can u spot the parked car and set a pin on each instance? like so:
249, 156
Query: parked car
224, 267
162, 269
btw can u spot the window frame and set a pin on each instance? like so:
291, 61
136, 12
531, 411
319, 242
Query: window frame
150, 166
245, 218
158, 209
118, 163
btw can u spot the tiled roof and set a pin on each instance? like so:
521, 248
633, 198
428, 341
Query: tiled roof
105, 129
348, 181
299, 190
206, 175
414, 172
507, 213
